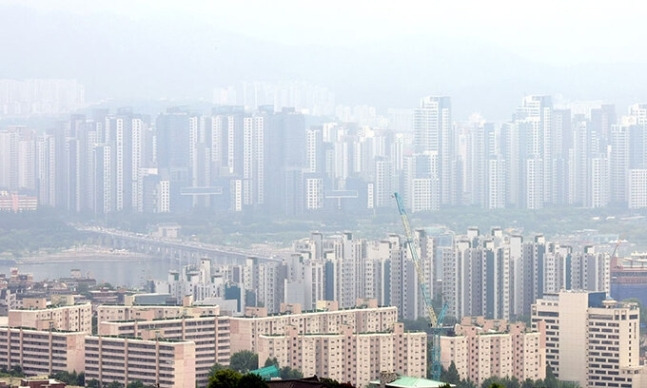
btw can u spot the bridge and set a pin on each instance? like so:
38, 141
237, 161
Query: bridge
187, 252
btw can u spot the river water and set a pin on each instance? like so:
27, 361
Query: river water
119, 270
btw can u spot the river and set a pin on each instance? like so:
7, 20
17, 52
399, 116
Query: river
119, 269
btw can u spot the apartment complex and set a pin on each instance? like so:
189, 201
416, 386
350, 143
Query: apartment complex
41, 352
591, 340
161, 363
245, 331
210, 335
37, 315
111, 313
348, 355
482, 348
177, 346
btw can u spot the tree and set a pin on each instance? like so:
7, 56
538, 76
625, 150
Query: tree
466, 383
94, 383
244, 361
288, 373
226, 378
136, 384
251, 380
550, 381
450, 375
491, 382
270, 362
527, 383
215, 368
115, 384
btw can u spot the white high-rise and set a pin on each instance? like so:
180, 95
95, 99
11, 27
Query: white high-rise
591, 340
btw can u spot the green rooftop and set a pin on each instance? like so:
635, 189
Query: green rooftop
406, 382
267, 373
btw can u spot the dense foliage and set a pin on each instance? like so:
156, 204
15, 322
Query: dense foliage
24, 233
451, 376
286, 373
243, 361
15, 371
70, 378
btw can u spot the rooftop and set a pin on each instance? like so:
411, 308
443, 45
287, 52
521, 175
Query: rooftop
407, 381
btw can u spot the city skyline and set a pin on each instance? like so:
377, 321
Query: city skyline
279, 161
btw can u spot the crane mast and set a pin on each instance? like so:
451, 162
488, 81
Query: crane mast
434, 320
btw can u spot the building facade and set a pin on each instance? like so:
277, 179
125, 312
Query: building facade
76, 318
41, 352
153, 362
590, 339
482, 348
347, 355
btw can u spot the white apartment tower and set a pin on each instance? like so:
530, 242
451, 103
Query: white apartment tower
433, 132
591, 340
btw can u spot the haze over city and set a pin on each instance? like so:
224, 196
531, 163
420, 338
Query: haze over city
484, 54
323, 194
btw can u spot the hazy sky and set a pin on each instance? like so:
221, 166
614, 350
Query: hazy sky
485, 54
555, 32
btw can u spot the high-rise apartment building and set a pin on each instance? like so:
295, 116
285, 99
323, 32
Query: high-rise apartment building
348, 355
482, 348
157, 362
591, 340
433, 132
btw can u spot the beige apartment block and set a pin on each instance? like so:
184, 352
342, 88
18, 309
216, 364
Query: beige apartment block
161, 363
245, 331
41, 352
347, 355
591, 340
210, 335
36, 315
484, 348
148, 313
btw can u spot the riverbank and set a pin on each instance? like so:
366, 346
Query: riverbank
83, 253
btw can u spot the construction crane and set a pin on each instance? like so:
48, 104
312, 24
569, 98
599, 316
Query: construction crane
435, 321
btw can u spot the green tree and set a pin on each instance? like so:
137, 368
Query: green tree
226, 378
16, 371
115, 384
466, 383
450, 375
491, 382
136, 384
215, 368
94, 383
244, 361
511, 382
527, 383
288, 373
550, 381
251, 380
270, 362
